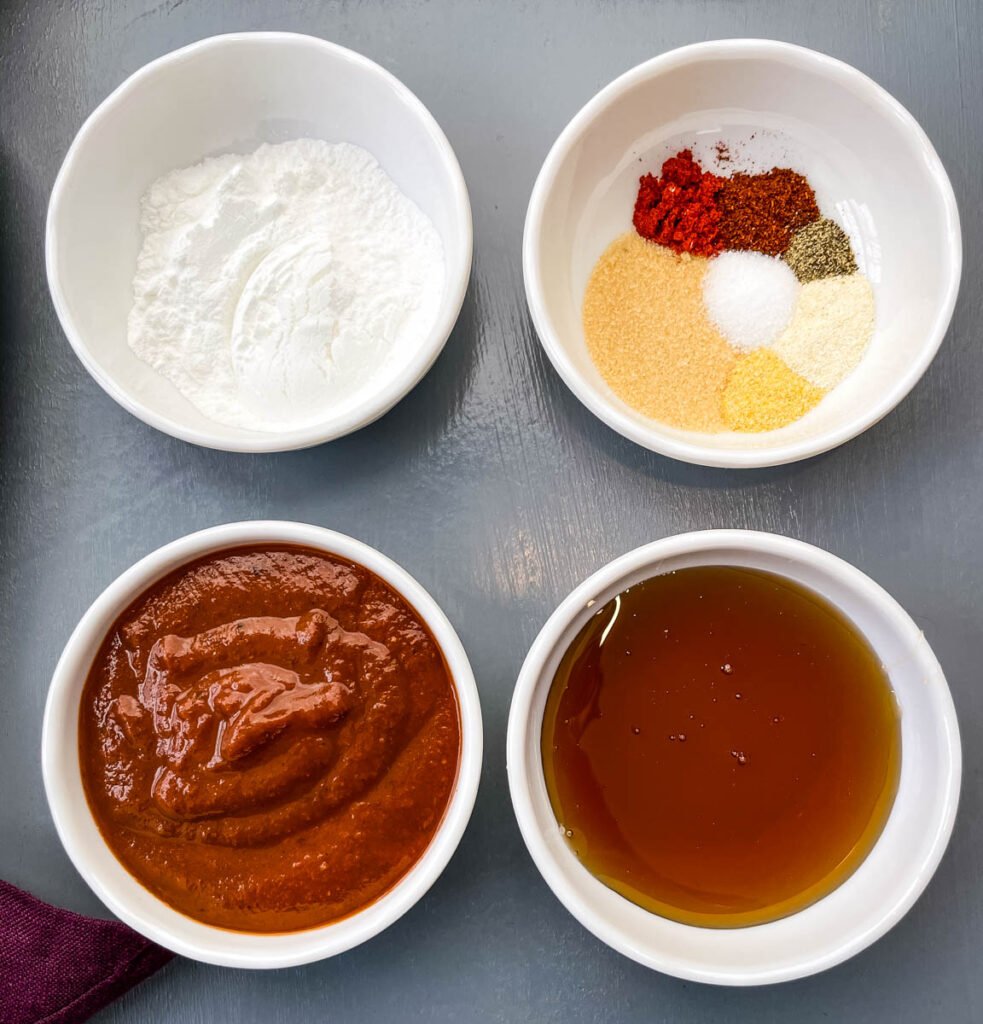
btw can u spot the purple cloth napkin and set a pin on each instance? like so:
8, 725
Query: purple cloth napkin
57, 967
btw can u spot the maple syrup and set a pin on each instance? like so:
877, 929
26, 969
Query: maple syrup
721, 746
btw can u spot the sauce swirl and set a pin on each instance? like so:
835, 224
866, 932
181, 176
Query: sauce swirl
269, 738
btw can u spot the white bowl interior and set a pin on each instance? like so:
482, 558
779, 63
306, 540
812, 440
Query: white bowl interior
881, 889
116, 887
230, 94
871, 166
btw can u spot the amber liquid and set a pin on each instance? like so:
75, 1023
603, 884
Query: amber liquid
721, 746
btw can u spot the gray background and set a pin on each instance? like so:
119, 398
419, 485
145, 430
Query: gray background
489, 483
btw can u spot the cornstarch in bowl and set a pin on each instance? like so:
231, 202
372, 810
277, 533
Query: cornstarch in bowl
276, 287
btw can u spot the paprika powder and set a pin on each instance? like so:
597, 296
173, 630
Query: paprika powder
679, 209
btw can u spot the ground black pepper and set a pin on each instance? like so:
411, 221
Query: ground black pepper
819, 250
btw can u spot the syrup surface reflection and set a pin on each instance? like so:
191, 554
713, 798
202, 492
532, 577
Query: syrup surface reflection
721, 746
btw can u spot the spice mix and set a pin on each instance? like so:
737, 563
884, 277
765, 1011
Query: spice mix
751, 347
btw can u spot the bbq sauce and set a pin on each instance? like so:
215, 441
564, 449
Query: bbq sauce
721, 746
269, 738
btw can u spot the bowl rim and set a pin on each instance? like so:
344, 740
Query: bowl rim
521, 727
64, 695
652, 436
377, 403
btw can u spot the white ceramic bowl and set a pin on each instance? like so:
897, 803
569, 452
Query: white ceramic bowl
107, 877
873, 168
871, 900
229, 94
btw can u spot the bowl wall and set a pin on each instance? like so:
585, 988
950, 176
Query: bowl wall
871, 900
230, 94
116, 887
873, 169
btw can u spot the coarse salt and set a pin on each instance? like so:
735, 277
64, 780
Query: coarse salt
749, 297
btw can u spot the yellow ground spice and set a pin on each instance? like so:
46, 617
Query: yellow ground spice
764, 394
649, 335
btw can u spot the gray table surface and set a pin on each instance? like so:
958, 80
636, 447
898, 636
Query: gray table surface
489, 483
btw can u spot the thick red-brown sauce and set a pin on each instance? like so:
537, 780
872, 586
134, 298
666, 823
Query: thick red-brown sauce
269, 738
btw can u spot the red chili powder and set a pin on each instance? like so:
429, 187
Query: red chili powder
679, 209
763, 211
691, 210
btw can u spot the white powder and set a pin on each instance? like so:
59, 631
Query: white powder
832, 325
273, 288
749, 297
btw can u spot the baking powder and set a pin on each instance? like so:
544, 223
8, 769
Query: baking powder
273, 289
